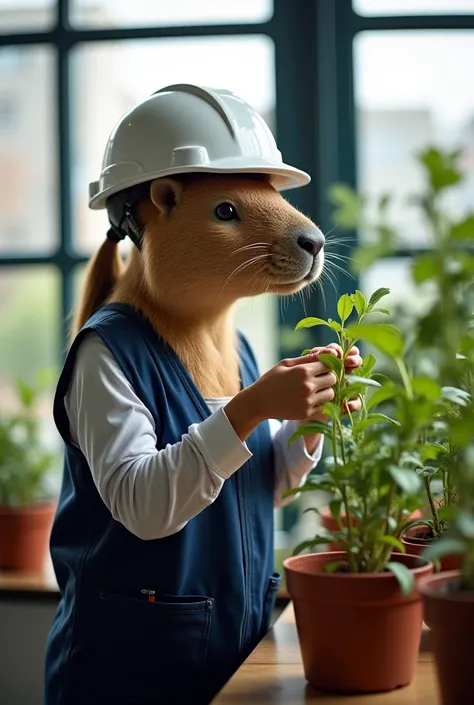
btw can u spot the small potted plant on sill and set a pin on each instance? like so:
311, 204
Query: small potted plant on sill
444, 272
26, 497
449, 596
365, 589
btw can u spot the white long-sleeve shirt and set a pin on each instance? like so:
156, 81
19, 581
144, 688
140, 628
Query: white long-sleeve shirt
154, 493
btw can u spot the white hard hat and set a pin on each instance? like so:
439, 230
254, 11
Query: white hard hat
188, 129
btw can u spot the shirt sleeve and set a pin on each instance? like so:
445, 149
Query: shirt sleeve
153, 493
293, 463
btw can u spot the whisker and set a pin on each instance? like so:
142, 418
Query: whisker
242, 266
252, 246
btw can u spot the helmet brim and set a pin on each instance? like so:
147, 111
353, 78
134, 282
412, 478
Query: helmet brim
283, 176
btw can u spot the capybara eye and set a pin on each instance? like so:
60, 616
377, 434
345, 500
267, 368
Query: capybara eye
226, 211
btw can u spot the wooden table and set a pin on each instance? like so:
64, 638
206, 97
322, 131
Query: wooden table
273, 673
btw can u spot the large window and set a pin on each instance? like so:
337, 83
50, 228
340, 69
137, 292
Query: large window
350, 89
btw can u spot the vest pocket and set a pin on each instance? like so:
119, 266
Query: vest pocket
269, 603
144, 646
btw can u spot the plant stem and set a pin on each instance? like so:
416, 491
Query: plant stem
434, 511
405, 376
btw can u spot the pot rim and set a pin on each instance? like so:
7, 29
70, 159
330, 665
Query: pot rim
431, 584
288, 564
42, 507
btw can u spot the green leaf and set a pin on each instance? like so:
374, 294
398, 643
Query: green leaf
425, 267
314, 427
26, 393
349, 205
307, 351
333, 566
344, 307
368, 364
444, 547
407, 480
442, 168
331, 361
464, 230
455, 395
427, 387
377, 295
317, 541
385, 311
371, 420
403, 575
383, 336
359, 301
378, 397
310, 323
464, 523
332, 410
335, 508
366, 381
392, 541
335, 325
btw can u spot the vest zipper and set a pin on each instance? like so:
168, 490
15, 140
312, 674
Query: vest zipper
245, 546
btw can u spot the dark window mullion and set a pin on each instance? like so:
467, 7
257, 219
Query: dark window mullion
66, 262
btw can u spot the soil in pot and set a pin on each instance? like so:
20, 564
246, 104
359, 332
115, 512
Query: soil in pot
330, 524
357, 632
449, 613
418, 538
24, 536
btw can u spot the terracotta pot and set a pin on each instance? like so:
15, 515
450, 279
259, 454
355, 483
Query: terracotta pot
450, 616
417, 539
357, 632
24, 536
330, 524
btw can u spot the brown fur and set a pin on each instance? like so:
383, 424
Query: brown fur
193, 268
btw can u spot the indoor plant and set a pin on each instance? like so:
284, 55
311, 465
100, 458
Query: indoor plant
26, 468
367, 588
443, 272
449, 597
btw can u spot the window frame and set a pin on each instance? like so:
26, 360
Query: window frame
315, 115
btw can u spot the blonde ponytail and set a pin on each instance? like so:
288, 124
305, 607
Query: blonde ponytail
103, 273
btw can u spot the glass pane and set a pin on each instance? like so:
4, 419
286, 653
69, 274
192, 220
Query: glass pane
28, 178
120, 13
24, 15
110, 77
410, 93
413, 7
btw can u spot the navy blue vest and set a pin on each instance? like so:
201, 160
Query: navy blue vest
214, 581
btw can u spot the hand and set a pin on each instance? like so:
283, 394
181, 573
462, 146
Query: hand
295, 389
353, 362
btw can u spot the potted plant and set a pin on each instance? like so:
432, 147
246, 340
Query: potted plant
26, 497
449, 596
365, 589
445, 271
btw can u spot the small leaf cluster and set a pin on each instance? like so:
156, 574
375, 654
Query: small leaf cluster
26, 464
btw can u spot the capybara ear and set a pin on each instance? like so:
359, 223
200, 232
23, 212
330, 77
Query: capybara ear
165, 194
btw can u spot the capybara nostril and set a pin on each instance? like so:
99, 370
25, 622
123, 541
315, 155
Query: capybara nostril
311, 241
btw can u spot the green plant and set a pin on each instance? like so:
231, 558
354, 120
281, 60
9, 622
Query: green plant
26, 465
372, 472
442, 339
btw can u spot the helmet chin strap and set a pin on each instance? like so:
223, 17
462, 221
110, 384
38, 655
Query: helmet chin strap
120, 209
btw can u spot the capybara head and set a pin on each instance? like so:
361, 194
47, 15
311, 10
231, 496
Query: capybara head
213, 238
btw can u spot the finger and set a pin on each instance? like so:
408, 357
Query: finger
321, 397
336, 347
354, 351
353, 362
325, 381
